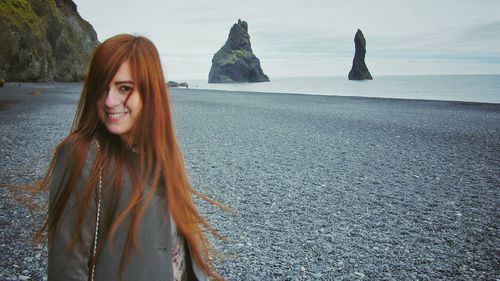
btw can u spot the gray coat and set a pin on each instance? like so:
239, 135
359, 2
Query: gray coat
153, 261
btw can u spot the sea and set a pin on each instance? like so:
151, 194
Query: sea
468, 88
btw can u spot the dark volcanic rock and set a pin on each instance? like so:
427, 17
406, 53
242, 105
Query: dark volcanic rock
235, 61
172, 84
44, 40
359, 70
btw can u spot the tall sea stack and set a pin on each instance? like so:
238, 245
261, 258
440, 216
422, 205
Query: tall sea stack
235, 61
359, 70
44, 40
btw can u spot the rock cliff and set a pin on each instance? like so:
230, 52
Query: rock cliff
44, 40
235, 61
359, 71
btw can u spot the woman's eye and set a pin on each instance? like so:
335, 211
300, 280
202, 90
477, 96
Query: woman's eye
125, 88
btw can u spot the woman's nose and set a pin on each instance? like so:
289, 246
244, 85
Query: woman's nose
112, 98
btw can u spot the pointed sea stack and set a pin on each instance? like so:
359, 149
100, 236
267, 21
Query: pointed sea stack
235, 61
359, 70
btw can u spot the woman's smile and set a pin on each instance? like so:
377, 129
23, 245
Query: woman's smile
116, 116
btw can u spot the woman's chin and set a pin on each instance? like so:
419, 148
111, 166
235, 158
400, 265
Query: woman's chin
117, 131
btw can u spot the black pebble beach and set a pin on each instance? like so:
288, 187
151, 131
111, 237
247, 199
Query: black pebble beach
324, 187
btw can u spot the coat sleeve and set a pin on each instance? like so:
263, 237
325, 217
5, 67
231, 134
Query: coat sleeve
64, 264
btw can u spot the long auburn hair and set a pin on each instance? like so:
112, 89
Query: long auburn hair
161, 163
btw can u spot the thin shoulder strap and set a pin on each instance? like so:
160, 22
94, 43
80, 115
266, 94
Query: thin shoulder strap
99, 195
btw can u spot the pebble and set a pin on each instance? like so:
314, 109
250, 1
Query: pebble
360, 274
317, 275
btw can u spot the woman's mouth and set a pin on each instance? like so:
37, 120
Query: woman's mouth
116, 116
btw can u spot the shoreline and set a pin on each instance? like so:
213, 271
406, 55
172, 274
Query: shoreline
342, 96
51, 85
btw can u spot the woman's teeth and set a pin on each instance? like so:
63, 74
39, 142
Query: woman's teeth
116, 115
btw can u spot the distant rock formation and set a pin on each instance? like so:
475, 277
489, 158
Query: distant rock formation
235, 61
44, 40
174, 84
359, 71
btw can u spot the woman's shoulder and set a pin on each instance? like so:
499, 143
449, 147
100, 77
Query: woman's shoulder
75, 140
73, 158
75, 146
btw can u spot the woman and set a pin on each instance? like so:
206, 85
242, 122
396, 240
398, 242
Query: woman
120, 204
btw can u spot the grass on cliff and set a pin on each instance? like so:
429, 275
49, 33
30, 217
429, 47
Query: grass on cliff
19, 12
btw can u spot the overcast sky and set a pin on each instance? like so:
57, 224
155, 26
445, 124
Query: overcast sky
313, 38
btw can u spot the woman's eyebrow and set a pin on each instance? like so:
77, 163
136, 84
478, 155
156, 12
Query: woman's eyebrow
124, 82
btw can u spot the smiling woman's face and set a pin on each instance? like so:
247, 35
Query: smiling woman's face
120, 113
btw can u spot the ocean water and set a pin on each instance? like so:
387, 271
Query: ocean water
471, 88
